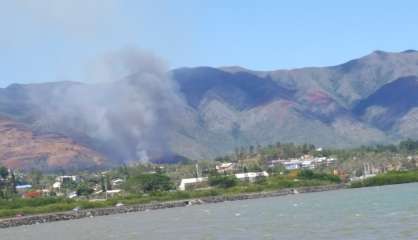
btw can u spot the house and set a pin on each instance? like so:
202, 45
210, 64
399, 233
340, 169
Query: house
275, 162
67, 179
251, 176
187, 182
293, 164
330, 161
307, 157
117, 182
56, 185
225, 167
307, 164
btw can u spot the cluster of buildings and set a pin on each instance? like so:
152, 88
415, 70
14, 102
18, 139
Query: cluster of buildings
223, 168
187, 183
304, 162
112, 187
60, 187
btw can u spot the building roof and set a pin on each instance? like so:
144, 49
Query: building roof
114, 191
33, 194
224, 166
23, 186
56, 185
251, 175
116, 181
185, 181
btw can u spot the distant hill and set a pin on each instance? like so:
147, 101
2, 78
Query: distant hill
369, 100
21, 148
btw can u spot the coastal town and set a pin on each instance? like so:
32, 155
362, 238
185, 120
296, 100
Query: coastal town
104, 185
118, 182
273, 170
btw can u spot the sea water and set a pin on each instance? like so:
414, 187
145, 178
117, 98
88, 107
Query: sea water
388, 212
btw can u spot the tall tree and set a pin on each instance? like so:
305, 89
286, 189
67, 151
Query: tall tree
13, 182
4, 172
251, 149
35, 177
102, 183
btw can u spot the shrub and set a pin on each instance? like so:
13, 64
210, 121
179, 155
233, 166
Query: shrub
388, 178
307, 174
223, 181
149, 183
311, 175
84, 190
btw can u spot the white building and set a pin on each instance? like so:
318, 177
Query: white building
305, 161
330, 161
65, 179
56, 185
117, 182
308, 164
251, 176
225, 167
185, 182
292, 164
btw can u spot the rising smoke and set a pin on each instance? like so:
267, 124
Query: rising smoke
126, 107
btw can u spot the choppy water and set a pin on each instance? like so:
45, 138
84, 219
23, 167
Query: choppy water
389, 212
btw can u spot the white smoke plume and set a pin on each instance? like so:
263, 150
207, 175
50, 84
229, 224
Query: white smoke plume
126, 107
123, 107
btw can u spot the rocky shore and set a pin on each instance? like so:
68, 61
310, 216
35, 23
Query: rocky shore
53, 217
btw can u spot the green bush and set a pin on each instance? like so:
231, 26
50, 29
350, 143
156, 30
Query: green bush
310, 175
33, 202
148, 183
84, 190
397, 177
223, 181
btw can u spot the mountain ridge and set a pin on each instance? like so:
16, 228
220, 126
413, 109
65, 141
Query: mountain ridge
230, 107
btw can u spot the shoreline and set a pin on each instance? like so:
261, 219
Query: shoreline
96, 212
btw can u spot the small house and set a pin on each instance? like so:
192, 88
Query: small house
225, 167
67, 179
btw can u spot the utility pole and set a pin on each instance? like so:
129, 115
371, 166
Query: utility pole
106, 187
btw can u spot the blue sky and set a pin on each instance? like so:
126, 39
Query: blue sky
46, 40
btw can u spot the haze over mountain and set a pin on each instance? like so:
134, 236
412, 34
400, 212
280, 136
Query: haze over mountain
210, 111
